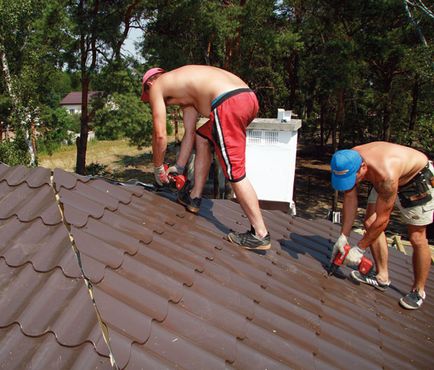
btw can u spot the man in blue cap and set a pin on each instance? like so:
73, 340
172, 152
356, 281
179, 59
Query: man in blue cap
399, 175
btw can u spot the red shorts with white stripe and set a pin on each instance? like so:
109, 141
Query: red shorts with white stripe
231, 113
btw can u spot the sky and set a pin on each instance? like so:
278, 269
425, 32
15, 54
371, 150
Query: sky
134, 35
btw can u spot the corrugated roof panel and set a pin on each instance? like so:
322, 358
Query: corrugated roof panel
34, 177
48, 303
19, 351
200, 332
126, 227
31, 310
27, 203
218, 315
180, 351
174, 294
139, 272
142, 358
67, 180
134, 295
121, 194
290, 353
45, 246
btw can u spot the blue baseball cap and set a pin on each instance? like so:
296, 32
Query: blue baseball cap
344, 166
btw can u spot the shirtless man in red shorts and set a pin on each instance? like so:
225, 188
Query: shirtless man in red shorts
400, 176
230, 106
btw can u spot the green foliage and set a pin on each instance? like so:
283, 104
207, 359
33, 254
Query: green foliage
355, 71
97, 169
56, 128
421, 138
124, 116
14, 152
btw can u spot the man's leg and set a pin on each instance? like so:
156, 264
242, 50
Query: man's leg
379, 247
248, 200
421, 256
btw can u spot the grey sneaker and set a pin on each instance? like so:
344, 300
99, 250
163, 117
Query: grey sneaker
413, 300
369, 279
192, 205
250, 241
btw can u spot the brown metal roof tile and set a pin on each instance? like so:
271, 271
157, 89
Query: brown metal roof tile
181, 251
174, 294
67, 180
121, 194
126, 324
214, 313
294, 330
199, 331
35, 177
135, 190
119, 288
181, 271
243, 269
250, 358
14, 175
97, 249
76, 201
74, 216
142, 358
309, 318
224, 295
19, 351
28, 203
180, 351
131, 228
152, 279
44, 246
103, 198
47, 302
290, 353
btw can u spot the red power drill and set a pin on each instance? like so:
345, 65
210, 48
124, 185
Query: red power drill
179, 180
364, 267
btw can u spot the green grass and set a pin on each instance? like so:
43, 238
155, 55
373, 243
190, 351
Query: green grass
121, 160
113, 154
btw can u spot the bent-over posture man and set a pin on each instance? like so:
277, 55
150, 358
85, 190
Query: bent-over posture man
400, 175
230, 106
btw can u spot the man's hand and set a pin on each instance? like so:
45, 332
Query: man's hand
354, 256
176, 169
160, 175
339, 246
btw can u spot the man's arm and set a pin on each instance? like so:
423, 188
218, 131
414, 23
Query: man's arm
387, 192
349, 210
189, 115
159, 134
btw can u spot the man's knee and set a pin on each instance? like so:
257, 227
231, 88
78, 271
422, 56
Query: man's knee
417, 236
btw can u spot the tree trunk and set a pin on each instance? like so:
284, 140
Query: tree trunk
415, 98
84, 128
321, 123
21, 114
27, 123
386, 121
340, 115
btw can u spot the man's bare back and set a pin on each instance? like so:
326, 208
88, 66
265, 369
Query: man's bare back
391, 162
194, 85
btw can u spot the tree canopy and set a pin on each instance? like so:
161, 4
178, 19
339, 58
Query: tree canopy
354, 71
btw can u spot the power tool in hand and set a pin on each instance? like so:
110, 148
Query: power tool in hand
364, 267
177, 179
